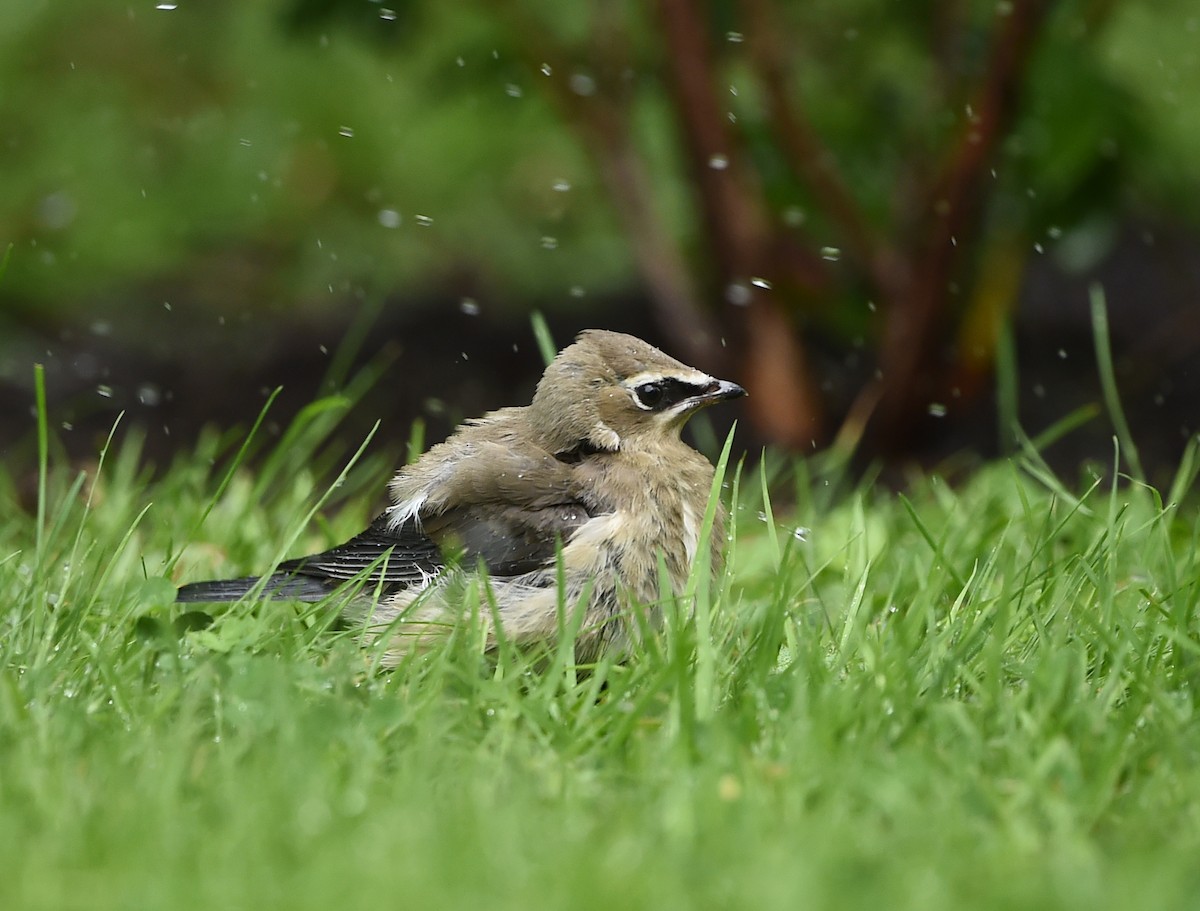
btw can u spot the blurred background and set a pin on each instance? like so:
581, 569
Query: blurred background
883, 218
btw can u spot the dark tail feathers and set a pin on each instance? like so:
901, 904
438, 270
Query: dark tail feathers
281, 585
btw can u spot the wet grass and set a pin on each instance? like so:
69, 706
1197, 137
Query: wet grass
972, 696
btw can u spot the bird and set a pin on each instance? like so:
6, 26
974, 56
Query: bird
581, 498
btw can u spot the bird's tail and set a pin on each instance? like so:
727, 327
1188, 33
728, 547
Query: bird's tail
290, 586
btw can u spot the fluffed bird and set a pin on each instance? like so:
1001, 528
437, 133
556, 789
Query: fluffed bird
589, 485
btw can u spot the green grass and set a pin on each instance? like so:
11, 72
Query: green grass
980, 695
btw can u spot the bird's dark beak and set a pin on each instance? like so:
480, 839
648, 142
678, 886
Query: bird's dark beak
719, 391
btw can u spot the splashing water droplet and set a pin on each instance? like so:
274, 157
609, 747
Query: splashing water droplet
582, 84
738, 294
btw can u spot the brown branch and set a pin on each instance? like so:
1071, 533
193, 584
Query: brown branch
734, 216
740, 231
910, 340
811, 160
601, 119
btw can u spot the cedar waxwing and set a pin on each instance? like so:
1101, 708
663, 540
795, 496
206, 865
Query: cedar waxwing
590, 483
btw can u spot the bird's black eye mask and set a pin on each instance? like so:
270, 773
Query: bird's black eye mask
659, 395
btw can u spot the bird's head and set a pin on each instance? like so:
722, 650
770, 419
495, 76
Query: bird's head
610, 391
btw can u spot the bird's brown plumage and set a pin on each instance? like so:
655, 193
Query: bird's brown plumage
592, 473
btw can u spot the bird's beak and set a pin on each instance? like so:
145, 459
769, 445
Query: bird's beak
718, 391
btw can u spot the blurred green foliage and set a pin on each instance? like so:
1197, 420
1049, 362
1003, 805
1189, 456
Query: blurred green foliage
334, 144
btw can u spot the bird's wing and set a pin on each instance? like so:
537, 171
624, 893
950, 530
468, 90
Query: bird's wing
399, 557
491, 494
510, 540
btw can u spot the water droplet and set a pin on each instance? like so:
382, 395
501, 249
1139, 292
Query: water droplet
794, 216
57, 211
469, 306
735, 37
1054, 232
148, 394
561, 185
104, 391
831, 254
102, 328
761, 283
738, 294
582, 84
512, 90
800, 533
549, 243
167, 6
577, 291
1062, 353
389, 218
547, 70
718, 162
423, 220
388, 15
937, 409
346, 131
